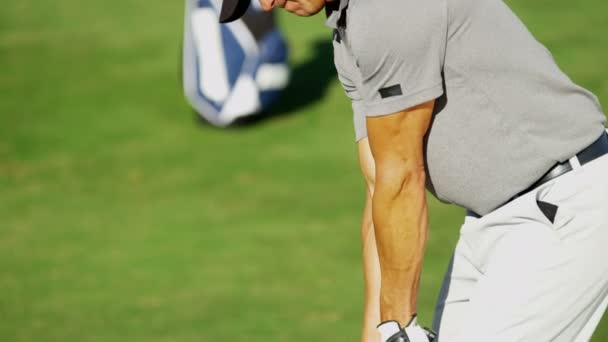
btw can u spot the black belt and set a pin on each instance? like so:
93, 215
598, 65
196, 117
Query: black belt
594, 151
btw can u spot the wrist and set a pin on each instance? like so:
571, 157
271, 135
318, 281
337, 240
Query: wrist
398, 311
397, 302
391, 313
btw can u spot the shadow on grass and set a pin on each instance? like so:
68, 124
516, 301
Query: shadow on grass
309, 83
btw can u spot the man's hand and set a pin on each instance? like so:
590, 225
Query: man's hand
399, 208
391, 331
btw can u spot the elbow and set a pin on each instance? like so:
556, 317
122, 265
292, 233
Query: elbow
398, 178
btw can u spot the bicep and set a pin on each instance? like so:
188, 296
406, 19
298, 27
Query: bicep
397, 140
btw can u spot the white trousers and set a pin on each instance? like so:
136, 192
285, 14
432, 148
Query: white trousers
517, 276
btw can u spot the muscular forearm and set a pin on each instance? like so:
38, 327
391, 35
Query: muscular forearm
401, 228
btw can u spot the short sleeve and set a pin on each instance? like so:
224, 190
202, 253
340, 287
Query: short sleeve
350, 79
399, 50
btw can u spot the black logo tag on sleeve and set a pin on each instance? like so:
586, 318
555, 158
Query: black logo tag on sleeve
391, 91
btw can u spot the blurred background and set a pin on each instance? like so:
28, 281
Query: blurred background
124, 219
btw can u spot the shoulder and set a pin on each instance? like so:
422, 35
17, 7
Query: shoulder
392, 24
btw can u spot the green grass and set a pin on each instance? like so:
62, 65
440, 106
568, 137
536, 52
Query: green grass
121, 219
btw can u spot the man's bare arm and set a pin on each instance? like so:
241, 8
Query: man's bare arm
399, 206
371, 265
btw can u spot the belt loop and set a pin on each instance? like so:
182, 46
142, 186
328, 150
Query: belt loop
575, 163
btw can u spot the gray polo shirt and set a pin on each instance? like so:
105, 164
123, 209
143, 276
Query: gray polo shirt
505, 112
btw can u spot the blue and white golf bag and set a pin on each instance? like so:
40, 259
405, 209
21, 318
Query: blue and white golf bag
233, 70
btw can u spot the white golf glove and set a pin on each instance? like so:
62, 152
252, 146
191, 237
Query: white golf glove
391, 331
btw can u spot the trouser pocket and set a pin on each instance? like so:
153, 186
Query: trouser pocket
549, 210
553, 204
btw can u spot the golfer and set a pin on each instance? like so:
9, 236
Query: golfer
457, 96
